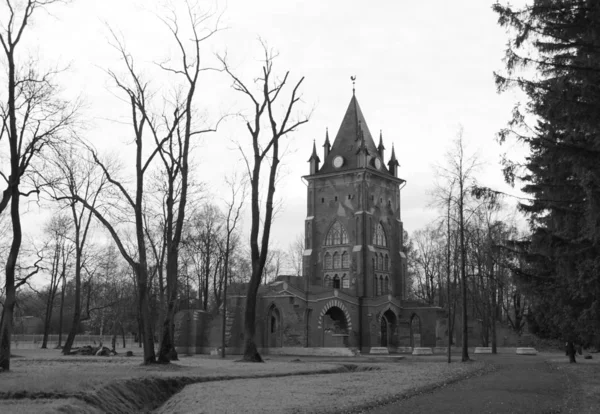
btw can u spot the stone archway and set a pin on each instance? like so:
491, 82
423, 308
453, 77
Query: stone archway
274, 328
335, 328
415, 331
388, 329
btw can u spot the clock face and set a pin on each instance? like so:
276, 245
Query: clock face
377, 163
338, 161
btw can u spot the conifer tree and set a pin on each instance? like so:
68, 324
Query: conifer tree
554, 57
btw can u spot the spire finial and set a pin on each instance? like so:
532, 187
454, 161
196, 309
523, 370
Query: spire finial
353, 79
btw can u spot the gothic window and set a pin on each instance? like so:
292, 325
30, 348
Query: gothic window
345, 281
336, 260
380, 261
345, 264
374, 264
327, 281
336, 282
387, 285
337, 235
327, 261
386, 263
379, 236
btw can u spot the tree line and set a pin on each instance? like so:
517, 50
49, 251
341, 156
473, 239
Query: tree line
146, 201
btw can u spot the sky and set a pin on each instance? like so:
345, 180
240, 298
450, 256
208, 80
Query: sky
422, 68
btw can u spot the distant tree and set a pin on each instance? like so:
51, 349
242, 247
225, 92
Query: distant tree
60, 255
556, 43
264, 103
295, 254
458, 172
33, 117
234, 208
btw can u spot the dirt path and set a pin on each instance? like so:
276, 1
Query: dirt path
519, 384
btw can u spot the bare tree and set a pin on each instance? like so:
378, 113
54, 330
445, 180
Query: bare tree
295, 252
175, 153
32, 118
234, 208
73, 174
263, 105
460, 170
59, 243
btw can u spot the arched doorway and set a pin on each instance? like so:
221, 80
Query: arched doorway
388, 328
335, 328
274, 330
384, 332
415, 331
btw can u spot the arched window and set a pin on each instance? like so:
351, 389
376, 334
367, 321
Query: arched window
336, 282
337, 235
379, 236
345, 264
345, 281
377, 286
386, 263
387, 285
336, 260
380, 261
327, 261
374, 264
327, 281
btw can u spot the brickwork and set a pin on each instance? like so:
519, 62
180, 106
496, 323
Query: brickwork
352, 289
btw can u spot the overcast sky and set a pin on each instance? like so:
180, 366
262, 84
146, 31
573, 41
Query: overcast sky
423, 68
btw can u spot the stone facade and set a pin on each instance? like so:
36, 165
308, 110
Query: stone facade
352, 292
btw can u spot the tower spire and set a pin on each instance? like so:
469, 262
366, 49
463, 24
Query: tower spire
380, 147
327, 145
393, 164
353, 79
314, 159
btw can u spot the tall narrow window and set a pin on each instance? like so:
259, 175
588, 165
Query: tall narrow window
327, 281
386, 263
336, 260
388, 288
336, 282
345, 281
380, 261
379, 236
345, 264
327, 261
336, 235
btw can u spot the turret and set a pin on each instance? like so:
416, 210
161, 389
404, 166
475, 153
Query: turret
380, 147
314, 160
327, 145
393, 164
363, 152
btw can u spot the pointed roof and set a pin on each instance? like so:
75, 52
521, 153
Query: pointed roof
380, 147
393, 160
314, 153
349, 139
327, 143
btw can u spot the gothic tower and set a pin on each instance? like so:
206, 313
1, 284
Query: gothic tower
353, 229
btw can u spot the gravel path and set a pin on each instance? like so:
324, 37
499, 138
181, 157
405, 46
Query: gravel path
315, 393
519, 384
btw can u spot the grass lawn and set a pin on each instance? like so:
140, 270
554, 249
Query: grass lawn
45, 381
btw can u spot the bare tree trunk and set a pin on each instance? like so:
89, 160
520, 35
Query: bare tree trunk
62, 305
270, 91
10, 291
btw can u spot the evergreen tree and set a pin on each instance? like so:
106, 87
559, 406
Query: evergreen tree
554, 57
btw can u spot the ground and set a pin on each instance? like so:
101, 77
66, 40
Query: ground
44, 380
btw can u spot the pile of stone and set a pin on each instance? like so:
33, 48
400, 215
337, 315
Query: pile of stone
93, 350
